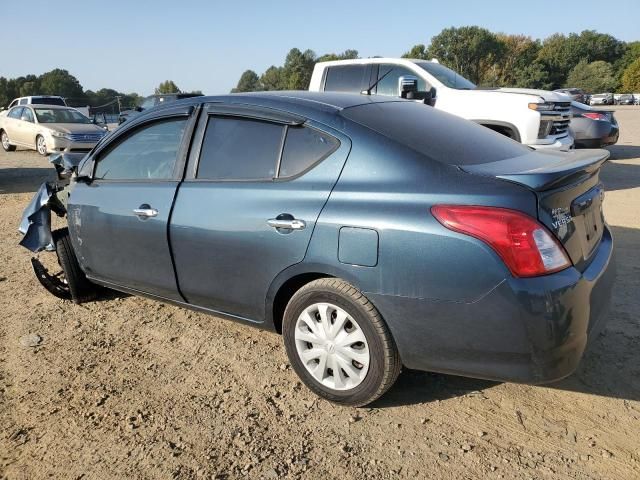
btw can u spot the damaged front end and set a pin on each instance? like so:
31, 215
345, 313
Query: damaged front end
36, 221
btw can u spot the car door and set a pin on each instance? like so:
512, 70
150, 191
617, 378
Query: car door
27, 127
119, 219
255, 185
13, 124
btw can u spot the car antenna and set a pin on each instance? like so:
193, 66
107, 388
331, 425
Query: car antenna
373, 85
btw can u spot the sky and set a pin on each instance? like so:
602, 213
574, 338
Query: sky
132, 46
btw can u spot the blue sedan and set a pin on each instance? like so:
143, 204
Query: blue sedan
372, 233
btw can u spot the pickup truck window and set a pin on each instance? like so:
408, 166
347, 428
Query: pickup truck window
303, 148
239, 149
148, 154
448, 77
392, 73
345, 78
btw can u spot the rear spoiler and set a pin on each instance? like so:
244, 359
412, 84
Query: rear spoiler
541, 170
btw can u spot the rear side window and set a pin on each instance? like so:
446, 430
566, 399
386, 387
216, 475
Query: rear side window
437, 135
48, 101
150, 153
239, 149
16, 113
303, 148
23, 101
345, 78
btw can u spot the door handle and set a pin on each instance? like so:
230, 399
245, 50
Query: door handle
287, 223
145, 211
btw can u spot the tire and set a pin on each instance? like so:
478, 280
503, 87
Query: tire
357, 384
41, 146
82, 290
4, 139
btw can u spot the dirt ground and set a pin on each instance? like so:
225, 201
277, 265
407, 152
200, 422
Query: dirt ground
128, 388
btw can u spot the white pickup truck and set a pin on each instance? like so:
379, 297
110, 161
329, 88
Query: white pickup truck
538, 118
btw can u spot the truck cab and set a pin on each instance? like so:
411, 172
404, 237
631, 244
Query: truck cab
537, 118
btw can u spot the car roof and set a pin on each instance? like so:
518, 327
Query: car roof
319, 106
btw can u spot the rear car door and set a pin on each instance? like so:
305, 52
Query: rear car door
13, 124
119, 219
254, 188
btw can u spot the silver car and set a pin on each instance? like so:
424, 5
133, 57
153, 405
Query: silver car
48, 129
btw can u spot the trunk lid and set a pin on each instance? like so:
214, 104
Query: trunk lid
568, 191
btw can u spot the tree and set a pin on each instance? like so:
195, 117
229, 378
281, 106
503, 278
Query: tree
519, 53
272, 79
418, 51
631, 77
168, 86
297, 69
593, 77
631, 53
470, 51
61, 82
346, 55
249, 82
534, 75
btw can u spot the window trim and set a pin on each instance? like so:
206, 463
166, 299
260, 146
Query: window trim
178, 167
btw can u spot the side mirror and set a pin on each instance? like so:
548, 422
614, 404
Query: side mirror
138, 109
408, 87
430, 97
84, 173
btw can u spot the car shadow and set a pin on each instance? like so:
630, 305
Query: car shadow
24, 180
620, 176
610, 366
624, 152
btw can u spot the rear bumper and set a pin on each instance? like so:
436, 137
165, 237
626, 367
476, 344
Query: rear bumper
525, 330
599, 135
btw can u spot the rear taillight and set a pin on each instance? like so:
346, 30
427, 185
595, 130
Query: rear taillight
525, 246
595, 116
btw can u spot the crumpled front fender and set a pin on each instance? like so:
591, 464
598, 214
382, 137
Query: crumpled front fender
36, 218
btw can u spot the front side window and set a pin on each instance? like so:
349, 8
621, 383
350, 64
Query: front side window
390, 74
239, 149
16, 113
150, 153
303, 148
446, 76
27, 115
345, 78
60, 115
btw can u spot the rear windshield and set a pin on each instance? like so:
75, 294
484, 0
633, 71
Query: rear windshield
437, 135
47, 101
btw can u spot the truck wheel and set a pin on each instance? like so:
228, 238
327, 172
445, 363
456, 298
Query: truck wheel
81, 289
4, 138
338, 343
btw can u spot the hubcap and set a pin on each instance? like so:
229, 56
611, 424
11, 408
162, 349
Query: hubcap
41, 146
332, 346
5, 140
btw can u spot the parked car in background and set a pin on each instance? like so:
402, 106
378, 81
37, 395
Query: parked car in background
354, 225
537, 118
48, 129
636, 98
593, 128
626, 99
36, 100
576, 94
602, 99
153, 101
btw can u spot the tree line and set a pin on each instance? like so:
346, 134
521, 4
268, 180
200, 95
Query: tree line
61, 82
596, 62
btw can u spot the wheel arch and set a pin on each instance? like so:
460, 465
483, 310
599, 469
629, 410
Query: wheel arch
289, 281
505, 128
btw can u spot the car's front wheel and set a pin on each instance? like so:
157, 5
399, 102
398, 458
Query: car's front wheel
41, 146
4, 139
338, 343
80, 288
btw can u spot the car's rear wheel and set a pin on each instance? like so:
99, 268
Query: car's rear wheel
6, 145
41, 146
338, 343
81, 289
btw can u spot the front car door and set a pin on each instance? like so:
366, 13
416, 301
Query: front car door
119, 219
254, 188
28, 127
